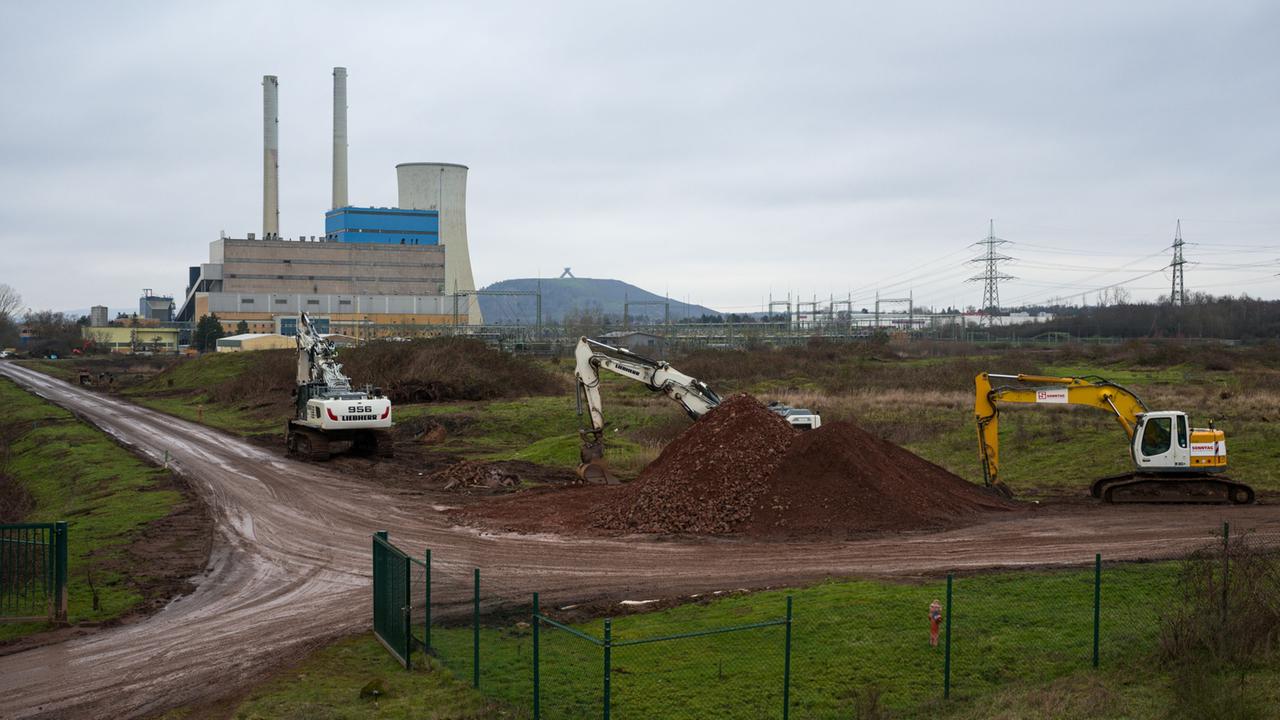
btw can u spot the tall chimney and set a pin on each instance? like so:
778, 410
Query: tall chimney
339, 137
270, 157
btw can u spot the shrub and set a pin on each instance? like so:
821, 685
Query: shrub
1229, 611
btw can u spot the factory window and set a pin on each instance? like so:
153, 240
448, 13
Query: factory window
313, 302
246, 301
282, 301
344, 302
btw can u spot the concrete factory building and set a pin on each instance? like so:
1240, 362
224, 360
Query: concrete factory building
359, 288
375, 271
155, 307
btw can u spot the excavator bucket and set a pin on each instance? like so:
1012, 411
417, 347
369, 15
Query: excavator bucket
597, 473
593, 468
1001, 489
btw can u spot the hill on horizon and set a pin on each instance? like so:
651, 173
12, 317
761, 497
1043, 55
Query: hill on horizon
565, 296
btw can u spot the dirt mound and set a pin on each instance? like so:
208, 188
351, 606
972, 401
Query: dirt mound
840, 479
707, 480
469, 477
742, 469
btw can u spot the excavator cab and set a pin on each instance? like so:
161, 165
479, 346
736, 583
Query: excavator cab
1165, 441
1162, 441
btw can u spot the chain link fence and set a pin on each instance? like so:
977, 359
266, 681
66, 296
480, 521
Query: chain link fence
840, 649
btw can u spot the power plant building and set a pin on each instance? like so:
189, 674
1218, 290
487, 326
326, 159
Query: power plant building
382, 225
364, 287
375, 271
155, 307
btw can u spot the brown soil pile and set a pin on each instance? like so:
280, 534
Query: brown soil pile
708, 480
743, 469
842, 480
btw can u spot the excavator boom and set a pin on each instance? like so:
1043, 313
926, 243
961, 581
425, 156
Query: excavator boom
591, 356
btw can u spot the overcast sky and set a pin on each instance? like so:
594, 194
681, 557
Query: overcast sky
718, 152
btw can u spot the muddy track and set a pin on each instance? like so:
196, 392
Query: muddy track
290, 565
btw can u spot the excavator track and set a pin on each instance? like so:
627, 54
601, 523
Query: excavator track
306, 442
1205, 488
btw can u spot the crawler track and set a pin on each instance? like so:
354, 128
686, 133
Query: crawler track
290, 565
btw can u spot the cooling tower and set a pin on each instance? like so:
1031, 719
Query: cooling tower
339, 137
443, 187
270, 157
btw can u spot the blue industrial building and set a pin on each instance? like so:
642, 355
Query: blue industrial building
392, 226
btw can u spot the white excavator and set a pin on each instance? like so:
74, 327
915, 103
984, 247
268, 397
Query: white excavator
332, 416
695, 396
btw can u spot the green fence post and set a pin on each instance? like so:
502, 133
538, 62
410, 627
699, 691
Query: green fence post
537, 684
426, 607
60, 573
946, 663
1226, 567
475, 634
378, 580
1097, 603
786, 667
406, 613
608, 663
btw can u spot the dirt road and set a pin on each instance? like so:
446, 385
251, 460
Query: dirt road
290, 565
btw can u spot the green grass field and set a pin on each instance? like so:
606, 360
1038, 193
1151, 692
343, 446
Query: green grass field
75, 473
850, 638
1021, 648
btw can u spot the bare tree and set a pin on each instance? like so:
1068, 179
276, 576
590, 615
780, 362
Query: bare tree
10, 301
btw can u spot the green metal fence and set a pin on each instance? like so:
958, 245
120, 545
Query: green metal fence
391, 602
848, 648
609, 651
33, 572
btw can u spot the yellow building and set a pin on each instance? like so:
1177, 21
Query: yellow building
133, 339
255, 341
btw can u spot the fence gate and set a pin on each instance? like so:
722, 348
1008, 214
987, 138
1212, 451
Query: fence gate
33, 572
391, 603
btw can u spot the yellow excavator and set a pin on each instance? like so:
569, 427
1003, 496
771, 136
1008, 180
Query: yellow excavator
1173, 463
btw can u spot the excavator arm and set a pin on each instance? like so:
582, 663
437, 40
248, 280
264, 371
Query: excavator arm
991, 389
317, 358
591, 356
